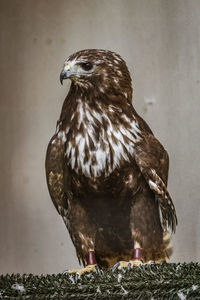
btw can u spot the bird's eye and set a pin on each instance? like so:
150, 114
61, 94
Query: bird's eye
87, 66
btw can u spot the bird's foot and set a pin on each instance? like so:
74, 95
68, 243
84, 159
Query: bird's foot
87, 269
127, 264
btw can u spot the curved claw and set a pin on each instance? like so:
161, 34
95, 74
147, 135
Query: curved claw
150, 262
126, 265
115, 267
77, 277
74, 277
129, 266
87, 269
98, 270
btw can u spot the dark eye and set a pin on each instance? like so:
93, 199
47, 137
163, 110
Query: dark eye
87, 66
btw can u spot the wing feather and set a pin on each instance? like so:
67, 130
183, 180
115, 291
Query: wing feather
55, 176
152, 160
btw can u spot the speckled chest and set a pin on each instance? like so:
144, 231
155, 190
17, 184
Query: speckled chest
94, 145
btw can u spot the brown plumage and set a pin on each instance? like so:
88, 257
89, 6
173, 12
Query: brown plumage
106, 172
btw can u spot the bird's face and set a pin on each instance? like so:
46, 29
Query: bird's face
101, 69
77, 70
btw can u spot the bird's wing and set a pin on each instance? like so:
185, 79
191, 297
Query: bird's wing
55, 176
152, 160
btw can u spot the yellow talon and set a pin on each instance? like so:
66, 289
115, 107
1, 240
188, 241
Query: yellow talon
127, 264
87, 269
135, 263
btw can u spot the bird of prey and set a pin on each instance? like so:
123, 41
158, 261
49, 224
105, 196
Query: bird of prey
106, 172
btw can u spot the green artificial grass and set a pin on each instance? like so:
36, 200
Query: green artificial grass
165, 281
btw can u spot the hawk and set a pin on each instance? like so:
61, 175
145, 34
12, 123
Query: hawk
106, 172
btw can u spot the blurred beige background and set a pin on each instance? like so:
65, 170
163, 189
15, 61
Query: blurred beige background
160, 40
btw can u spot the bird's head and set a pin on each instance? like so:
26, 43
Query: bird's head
103, 70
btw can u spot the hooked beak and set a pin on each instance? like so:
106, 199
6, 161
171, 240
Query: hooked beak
64, 75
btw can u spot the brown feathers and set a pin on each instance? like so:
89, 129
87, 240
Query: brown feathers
106, 172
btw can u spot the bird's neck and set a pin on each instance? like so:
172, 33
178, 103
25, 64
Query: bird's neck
93, 99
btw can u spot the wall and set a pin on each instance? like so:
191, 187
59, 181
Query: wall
159, 39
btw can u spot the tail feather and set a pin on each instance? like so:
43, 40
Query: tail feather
167, 209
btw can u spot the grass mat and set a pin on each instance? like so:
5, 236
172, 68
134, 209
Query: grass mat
165, 281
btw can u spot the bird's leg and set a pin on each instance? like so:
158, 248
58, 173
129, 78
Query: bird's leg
90, 267
87, 245
91, 258
137, 252
135, 260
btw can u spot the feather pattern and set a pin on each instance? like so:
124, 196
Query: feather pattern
106, 172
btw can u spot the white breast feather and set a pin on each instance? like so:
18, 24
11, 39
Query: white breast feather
102, 156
